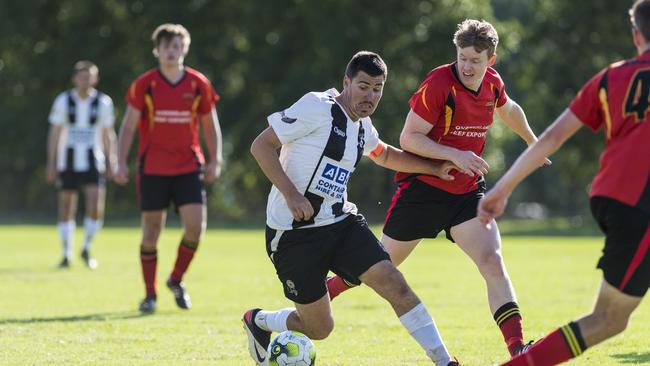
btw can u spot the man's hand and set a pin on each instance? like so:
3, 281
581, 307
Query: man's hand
492, 206
50, 173
212, 171
300, 207
470, 163
444, 170
122, 174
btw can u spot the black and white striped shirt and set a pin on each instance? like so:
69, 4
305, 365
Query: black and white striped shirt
81, 146
321, 147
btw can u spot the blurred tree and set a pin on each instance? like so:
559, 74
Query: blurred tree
262, 56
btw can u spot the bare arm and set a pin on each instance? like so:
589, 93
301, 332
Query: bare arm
414, 139
53, 136
110, 149
264, 149
494, 203
125, 140
403, 161
212, 135
514, 117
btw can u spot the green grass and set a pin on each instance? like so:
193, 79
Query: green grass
81, 317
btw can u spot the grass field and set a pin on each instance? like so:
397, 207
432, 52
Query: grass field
82, 317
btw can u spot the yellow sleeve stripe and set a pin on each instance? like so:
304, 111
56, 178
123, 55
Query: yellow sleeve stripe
602, 95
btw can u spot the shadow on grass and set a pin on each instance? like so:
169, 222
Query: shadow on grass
633, 358
99, 317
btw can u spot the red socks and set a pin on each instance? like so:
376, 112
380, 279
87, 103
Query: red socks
183, 259
561, 345
508, 319
149, 261
336, 285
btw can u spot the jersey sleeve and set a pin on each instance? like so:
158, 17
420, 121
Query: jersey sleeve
135, 95
372, 146
58, 113
586, 104
428, 101
106, 111
303, 117
210, 97
499, 88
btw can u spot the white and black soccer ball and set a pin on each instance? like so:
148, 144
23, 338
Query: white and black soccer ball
292, 349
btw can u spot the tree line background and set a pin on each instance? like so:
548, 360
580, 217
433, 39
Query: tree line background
261, 56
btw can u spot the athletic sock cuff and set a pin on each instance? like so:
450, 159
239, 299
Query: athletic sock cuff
573, 338
505, 312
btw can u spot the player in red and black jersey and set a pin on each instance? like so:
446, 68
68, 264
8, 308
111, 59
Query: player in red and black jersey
167, 104
616, 101
450, 115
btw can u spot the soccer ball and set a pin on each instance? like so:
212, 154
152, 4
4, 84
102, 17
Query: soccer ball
292, 349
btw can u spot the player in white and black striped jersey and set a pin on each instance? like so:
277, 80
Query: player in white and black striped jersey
311, 226
81, 155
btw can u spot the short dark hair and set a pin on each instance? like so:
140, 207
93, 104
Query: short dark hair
640, 17
368, 62
168, 31
84, 65
479, 34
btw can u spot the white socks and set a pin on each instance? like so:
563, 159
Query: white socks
66, 232
273, 321
91, 227
421, 326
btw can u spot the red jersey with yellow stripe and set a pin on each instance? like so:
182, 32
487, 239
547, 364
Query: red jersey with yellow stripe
617, 100
460, 118
169, 126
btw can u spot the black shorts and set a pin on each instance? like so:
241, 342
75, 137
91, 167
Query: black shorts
156, 191
626, 257
421, 211
72, 181
303, 257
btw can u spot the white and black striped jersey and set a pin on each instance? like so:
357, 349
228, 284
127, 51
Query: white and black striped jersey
321, 147
81, 147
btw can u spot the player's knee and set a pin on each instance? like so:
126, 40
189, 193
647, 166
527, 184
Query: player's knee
612, 321
491, 264
194, 231
397, 284
321, 330
150, 233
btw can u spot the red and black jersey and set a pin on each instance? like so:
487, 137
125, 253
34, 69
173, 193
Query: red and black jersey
617, 100
169, 126
460, 118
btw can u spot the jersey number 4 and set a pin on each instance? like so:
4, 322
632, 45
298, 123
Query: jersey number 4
637, 102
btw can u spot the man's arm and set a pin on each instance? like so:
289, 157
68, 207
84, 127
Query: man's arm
212, 135
110, 148
53, 136
264, 149
414, 139
495, 201
393, 158
514, 117
125, 140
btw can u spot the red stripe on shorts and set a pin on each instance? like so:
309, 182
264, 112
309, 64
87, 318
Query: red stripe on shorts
637, 259
400, 189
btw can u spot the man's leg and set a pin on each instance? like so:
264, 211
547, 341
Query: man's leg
313, 320
609, 318
67, 210
152, 224
398, 251
94, 198
193, 217
390, 284
483, 246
